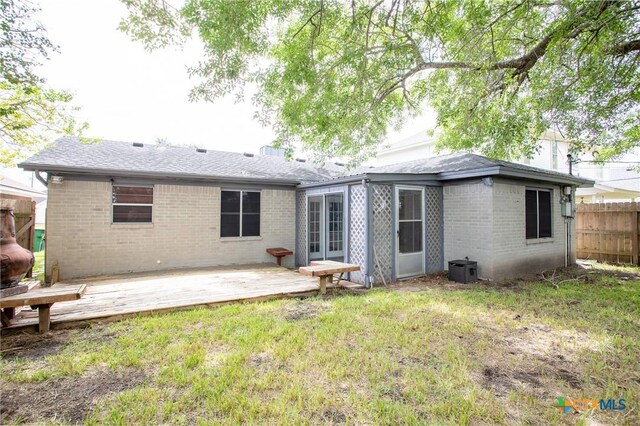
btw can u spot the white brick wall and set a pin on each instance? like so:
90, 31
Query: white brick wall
185, 231
513, 253
487, 224
468, 225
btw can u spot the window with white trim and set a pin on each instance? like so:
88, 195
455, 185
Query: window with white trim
240, 214
538, 213
132, 204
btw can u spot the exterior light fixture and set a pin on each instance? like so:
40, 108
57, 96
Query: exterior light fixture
56, 179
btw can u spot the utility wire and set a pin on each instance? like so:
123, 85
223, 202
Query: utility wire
615, 180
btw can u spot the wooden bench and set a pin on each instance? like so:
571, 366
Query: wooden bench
279, 253
325, 269
41, 299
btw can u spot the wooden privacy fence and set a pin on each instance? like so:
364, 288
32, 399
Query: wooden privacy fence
608, 232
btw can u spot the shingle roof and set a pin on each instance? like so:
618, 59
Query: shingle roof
70, 154
459, 162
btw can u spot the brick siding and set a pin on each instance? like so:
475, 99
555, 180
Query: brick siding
487, 224
185, 231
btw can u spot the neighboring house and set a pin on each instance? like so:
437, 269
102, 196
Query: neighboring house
613, 181
117, 207
12, 187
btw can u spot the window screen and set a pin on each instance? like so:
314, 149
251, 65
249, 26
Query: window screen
240, 214
132, 204
538, 213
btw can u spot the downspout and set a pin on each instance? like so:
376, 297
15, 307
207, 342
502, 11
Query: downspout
42, 180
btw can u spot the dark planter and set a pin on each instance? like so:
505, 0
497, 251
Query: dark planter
15, 261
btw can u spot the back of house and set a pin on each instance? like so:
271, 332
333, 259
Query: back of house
119, 207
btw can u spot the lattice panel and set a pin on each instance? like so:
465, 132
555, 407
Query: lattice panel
358, 231
433, 225
382, 233
301, 228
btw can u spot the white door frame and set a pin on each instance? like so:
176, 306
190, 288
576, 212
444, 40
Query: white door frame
320, 199
396, 227
324, 229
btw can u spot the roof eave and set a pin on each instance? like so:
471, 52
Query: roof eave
516, 173
331, 182
158, 175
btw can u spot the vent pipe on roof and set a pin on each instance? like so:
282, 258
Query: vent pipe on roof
248, 154
138, 144
201, 150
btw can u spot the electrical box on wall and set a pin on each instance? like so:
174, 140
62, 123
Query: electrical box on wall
567, 209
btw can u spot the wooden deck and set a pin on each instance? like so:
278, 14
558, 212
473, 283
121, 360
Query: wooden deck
117, 297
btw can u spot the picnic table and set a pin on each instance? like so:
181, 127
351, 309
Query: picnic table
325, 269
41, 299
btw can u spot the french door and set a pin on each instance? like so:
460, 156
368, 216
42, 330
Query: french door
326, 226
410, 256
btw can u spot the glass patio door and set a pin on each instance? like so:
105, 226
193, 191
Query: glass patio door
316, 228
335, 225
410, 231
326, 226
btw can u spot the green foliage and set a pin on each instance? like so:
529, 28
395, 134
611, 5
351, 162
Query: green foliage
335, 74
31, 117
31, 114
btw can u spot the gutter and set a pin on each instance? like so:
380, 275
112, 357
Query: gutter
375, 178
157, 175
337, 181
42, 180
516, 173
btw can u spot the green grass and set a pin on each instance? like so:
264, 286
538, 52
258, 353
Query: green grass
38, 267
483, 355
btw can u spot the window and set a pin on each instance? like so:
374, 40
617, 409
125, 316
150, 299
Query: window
240, 214
315, 233
132, 204
538, 213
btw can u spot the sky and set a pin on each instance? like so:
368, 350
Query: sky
128, 94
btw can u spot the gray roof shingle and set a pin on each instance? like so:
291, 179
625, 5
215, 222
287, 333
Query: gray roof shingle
123, 158
70, 154
460, 162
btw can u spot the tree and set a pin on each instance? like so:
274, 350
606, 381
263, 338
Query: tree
335, 74
30, 113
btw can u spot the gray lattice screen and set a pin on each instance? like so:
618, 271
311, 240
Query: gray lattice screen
301, 228
433, 224
382, 233
358, 231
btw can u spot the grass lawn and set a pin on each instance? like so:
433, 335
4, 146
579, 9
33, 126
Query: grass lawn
38, 267
423, 352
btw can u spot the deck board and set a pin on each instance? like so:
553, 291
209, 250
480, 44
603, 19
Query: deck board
124, 296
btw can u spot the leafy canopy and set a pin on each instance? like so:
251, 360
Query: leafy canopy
336, 74
31, 115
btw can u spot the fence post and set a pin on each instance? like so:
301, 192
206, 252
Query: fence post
635, 238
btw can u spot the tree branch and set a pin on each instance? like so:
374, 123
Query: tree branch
625, 48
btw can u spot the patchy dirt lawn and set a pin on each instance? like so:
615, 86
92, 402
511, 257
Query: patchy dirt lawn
419, 351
